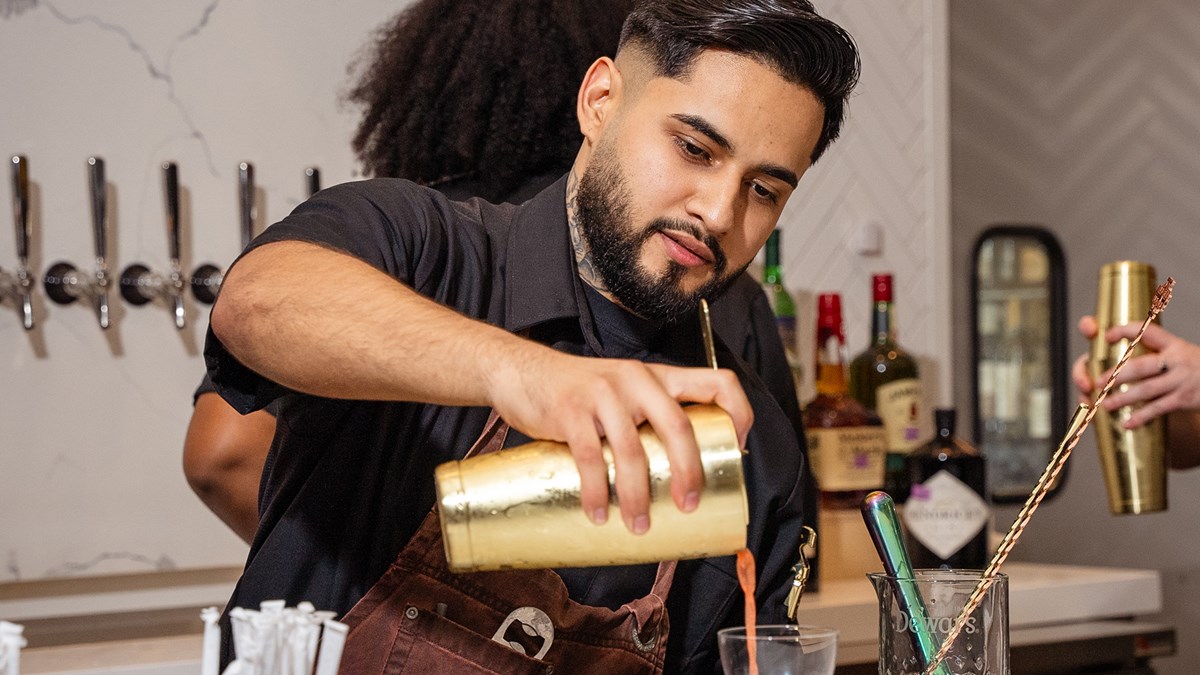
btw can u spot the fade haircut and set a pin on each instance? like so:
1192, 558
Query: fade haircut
787, 36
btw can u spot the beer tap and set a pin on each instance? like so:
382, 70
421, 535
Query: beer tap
65, 284
312, 176
139, 284
19, 285
206, 280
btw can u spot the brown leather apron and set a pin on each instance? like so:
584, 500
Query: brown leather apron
422, 618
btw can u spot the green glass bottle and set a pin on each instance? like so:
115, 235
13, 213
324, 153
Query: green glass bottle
784, 308
884, 378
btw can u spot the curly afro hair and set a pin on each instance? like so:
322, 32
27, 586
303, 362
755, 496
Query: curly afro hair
479, 90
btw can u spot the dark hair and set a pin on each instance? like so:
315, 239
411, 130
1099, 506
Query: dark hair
786, 35
479, 90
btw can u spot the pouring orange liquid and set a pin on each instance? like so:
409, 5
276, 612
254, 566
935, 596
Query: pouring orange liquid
745, 572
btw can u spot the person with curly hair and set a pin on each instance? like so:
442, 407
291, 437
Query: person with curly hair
454, 94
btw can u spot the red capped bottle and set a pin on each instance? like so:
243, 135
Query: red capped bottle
846, 442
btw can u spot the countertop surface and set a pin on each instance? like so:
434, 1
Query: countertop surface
1041, 597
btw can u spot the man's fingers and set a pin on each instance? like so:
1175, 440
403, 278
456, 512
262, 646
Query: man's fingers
632, 472
593, 472
703, 385
678, 437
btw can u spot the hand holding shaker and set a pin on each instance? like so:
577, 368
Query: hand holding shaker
1133, 460
520, 508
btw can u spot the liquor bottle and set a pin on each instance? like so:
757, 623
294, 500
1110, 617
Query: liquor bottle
784, 308
947, 514
884, 378
846, 442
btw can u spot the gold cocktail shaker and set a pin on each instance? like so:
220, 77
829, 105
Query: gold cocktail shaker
1133, 460
520, 508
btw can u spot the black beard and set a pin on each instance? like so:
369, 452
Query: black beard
602, 211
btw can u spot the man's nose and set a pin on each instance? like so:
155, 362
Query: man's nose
717, 203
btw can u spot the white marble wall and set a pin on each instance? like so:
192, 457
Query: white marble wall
91, 422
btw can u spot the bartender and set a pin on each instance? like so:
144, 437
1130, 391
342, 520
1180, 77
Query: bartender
387, 321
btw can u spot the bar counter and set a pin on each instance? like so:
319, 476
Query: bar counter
1062, 619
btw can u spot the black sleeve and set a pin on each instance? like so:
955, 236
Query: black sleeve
396, 226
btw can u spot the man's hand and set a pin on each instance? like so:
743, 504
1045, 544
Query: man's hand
579, 400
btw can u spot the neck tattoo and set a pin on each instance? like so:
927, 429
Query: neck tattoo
583, 258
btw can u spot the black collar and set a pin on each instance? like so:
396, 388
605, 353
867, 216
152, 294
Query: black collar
541, 273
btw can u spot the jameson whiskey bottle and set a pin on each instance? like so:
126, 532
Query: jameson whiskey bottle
946, 515
784, 308
884, 379
846, 442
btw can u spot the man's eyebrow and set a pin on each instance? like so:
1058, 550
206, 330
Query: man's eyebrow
702, 125
775, 171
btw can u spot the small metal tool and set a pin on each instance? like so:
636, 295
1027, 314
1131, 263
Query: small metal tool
800, 572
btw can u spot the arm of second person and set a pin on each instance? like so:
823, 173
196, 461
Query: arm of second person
223, 456
322, 322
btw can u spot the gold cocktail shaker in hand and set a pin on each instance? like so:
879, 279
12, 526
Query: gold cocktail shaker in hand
1133, 460
520, 508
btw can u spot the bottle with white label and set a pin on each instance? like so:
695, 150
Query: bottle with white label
946, 516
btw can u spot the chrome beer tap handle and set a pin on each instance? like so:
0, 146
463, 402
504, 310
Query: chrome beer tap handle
246, 201
63, 282
140, 284
100, 233
19, 285
206, 280
312, 176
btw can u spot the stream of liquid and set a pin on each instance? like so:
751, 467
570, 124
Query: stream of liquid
745, 572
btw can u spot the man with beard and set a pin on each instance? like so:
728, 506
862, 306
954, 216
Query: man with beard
388, 320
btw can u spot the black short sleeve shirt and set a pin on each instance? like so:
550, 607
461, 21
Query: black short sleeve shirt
348, 482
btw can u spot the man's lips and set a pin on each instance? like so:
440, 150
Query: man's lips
686, 249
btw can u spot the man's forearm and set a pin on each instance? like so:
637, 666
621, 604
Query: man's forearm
325, 323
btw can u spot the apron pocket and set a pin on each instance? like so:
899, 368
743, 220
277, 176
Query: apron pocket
429, 643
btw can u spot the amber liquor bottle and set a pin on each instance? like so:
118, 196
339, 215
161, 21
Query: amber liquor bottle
884, 378
846, 442
946, 516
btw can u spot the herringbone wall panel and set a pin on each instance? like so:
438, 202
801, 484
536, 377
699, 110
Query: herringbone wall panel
1085, 117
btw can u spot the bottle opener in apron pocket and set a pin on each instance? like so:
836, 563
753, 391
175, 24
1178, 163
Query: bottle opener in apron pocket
533, 623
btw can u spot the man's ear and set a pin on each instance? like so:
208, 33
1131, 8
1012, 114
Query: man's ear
598, 97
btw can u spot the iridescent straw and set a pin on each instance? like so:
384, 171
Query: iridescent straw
1079, 423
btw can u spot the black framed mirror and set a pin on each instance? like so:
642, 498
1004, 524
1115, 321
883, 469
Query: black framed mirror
1018, 319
